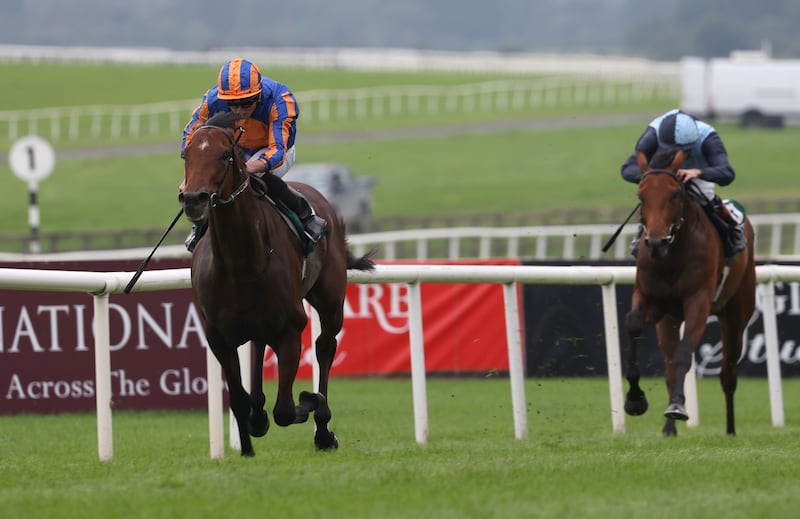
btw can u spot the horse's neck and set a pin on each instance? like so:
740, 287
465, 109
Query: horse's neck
695, 231
693, 214
239, 235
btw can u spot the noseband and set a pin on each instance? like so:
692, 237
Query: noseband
216, 198
678, 220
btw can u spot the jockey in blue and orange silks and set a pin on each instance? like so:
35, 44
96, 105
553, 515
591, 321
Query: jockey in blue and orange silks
707, 164
268, 113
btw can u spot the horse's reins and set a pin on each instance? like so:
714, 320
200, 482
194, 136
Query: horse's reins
216, 198
675, 227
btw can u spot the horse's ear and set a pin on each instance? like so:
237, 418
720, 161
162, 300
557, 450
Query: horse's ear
680, 156
641, 161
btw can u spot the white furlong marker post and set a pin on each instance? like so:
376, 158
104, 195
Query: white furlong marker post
32, 159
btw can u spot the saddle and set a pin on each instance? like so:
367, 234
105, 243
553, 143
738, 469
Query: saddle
289, 217
724, 228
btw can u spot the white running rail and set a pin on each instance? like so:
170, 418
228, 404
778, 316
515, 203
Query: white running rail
102, 285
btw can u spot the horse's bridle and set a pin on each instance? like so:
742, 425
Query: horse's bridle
216, 198
678, 221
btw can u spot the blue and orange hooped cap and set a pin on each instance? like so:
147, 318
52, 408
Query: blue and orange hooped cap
238, 79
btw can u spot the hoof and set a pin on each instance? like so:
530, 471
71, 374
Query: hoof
285, 417
249, 454
636, 406
669, 431
300, 414
258, 424
311, 401
326, 441
676, 412
308, 403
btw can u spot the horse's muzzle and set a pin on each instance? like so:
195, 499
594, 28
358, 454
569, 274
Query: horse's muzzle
195, 205
658, 247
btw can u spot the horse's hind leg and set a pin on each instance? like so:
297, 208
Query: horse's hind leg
732, 331
330, 324
635, 399
324, 439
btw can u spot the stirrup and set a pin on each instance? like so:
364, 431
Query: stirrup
197, 232
314, 227
735, 242
192, 239
635, 241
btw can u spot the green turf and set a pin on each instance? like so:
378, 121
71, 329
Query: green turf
520, 171
39, 85
572, 464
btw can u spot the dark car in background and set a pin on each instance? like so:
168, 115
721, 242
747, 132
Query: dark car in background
350, 195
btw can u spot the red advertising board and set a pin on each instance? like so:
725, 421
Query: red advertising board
158, 345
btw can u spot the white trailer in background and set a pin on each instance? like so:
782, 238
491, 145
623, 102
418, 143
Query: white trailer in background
748, 87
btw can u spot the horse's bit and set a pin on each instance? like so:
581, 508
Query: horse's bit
216, 198
678, 221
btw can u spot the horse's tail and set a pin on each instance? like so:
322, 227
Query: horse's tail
363, 263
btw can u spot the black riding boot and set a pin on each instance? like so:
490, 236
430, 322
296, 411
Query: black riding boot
731, 232
279, 190
313, 224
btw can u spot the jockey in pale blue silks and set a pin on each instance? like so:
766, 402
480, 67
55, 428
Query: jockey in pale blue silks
706, 165
268, 113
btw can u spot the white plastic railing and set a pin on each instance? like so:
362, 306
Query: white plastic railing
777, 235
101, 285
118, 122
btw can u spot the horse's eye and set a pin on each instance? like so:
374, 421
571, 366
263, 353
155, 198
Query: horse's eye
226, 156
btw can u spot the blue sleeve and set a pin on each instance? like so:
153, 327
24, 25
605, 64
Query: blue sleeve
647, 144
283, 125
719, 169
200, 114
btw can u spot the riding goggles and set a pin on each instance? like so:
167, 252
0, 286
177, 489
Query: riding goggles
242, 103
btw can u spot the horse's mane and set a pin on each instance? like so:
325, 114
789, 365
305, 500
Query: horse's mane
662, 158
223, 120
227, 122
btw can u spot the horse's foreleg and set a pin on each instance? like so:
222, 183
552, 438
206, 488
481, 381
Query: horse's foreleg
695, 325
259, 420
635, 400
239, 399
668, 332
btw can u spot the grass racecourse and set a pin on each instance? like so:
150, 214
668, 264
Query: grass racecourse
572, 464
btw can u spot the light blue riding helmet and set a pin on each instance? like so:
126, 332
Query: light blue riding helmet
678, 130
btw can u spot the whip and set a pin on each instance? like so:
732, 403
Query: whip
138, 273
619, 230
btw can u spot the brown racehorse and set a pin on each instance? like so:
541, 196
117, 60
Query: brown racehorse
683, 276
249, 278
